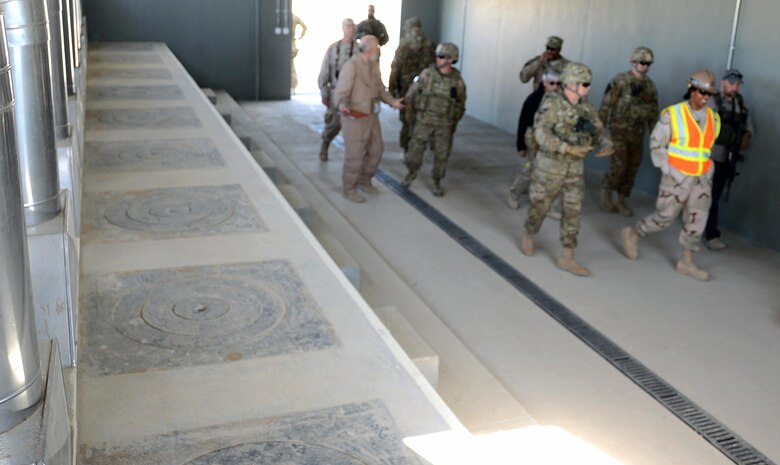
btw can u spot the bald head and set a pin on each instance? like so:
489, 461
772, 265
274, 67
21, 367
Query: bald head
369, 48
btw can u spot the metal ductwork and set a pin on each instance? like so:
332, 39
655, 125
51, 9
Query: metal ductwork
67, 46
21, 385
58, 84
28, 46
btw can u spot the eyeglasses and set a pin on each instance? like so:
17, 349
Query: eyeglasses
585, 84
646, 63
442, 56
550, 49
553, 83
704, 93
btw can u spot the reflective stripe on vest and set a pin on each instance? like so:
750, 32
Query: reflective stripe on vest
689, 147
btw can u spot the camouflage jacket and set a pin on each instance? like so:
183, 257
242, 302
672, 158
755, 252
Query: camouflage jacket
437, 99
559, 124
337, 54
535, 69
411, 57
630, 104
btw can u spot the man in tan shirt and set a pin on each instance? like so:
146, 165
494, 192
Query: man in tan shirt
358, 95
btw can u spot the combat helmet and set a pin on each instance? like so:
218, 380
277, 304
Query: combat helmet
703, 80
642, 54
411, 23
575, 73
448, 49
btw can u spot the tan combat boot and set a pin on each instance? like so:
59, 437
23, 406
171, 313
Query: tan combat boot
568, 263
324, 151
606, 201
621, 206
527, 245
686, 266
408, 179
630, 242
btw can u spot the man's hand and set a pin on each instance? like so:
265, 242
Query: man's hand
744, 144
522, 153
326, 101
605, 152
579, 151
398, 103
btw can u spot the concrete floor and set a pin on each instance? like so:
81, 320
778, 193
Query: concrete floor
717, 342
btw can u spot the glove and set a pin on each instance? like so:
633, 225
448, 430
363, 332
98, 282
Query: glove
579, 151
605, 152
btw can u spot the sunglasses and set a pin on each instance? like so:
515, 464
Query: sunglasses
585, 84
704, 93
646, 63
442, 56
553, 83
550, 49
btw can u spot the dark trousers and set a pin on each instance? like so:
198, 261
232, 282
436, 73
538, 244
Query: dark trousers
711, 231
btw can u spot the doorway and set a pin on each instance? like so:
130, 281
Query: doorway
323, 27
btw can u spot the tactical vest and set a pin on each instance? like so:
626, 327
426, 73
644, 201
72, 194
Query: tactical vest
689, 147
437, 100
733, 122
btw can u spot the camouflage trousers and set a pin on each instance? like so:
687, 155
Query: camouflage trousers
624, 163
363, 147
552, 176
440, 138
406, 131
523, 178
332, 124
692, 196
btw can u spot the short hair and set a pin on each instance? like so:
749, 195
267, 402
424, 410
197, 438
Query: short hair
551, 75
348, 22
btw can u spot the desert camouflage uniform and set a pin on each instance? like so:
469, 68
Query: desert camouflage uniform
337, 54
438, 102
413, 55
559, 125
677, 191
630, 104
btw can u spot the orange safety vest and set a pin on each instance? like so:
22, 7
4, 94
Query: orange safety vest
689, 148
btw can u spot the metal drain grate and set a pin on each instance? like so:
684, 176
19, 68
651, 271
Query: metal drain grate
725, 440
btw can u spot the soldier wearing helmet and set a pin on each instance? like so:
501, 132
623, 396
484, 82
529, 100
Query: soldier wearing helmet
630, 104
436, 101
680, 146
549, 59
414, 54
566, 129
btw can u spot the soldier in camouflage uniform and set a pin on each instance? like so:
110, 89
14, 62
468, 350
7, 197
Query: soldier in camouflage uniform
680, 146
566, 129
630, 104
436, 101
414, 54
337, 54
549, 59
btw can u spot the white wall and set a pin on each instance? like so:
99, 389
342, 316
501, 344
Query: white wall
498, 36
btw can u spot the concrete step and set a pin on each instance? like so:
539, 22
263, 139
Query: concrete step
296, 201
209, 93
336, 250
266, 164
414, 345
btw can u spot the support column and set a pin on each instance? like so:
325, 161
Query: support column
28, 46
21, 385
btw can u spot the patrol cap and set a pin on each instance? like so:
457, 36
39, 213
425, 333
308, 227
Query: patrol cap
554, 42
732, 75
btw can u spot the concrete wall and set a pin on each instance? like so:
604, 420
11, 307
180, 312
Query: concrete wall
428, 12
228, 48
501, 35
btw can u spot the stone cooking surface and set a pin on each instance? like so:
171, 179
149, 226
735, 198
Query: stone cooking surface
169, 213
139, 155
156, 93
354, 434
142, 118
159, 319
